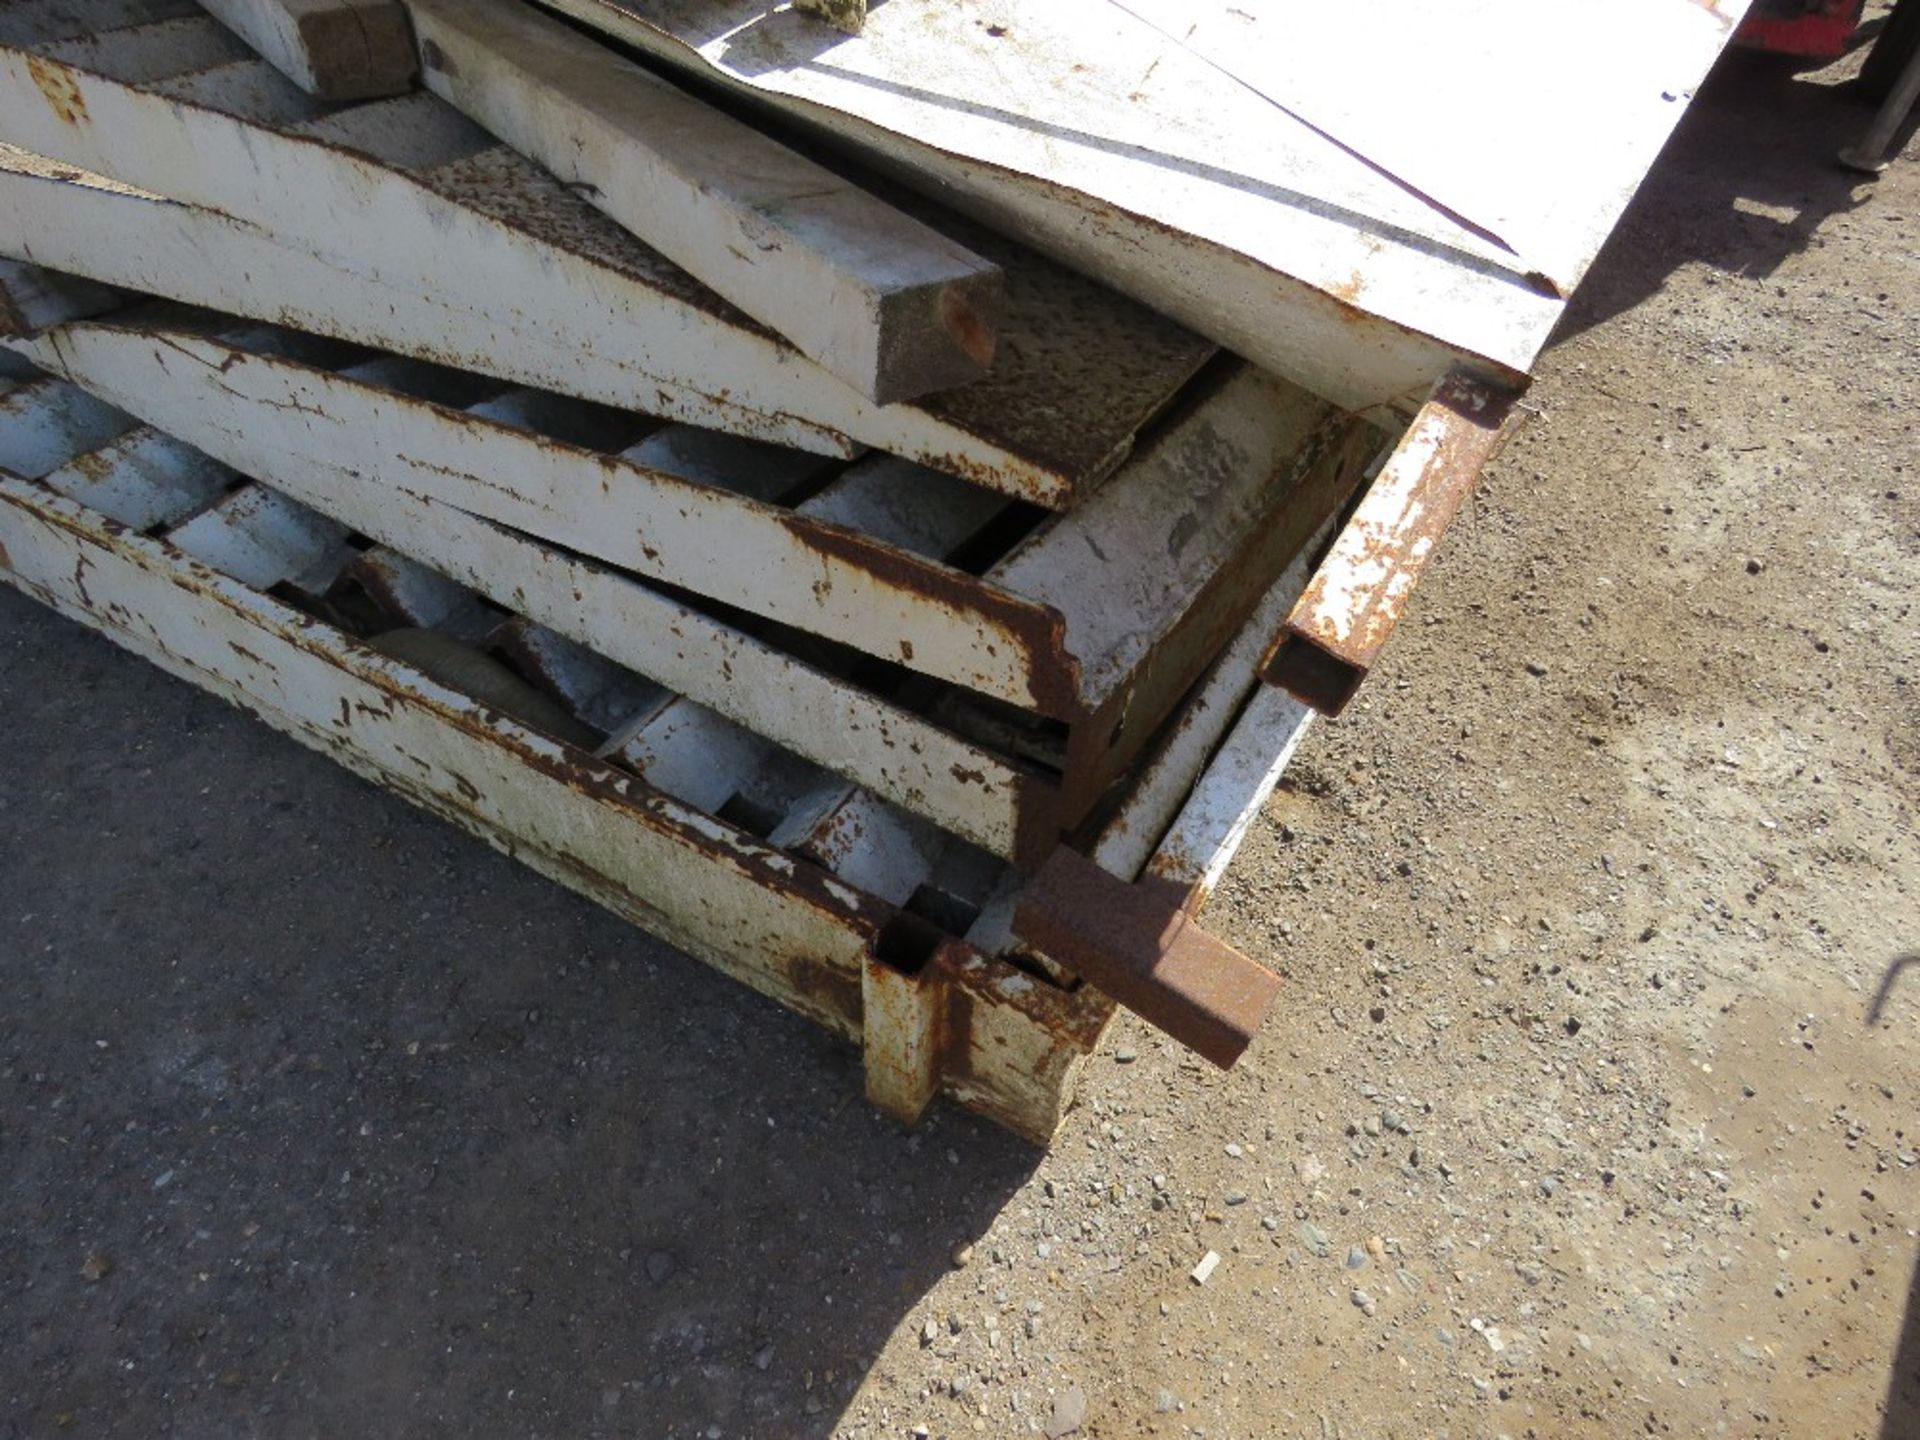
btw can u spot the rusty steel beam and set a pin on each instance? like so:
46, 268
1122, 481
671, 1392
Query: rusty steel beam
1102, 618
1337, 629
1140, 945
833, 901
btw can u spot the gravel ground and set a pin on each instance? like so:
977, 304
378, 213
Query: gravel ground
1584, 1111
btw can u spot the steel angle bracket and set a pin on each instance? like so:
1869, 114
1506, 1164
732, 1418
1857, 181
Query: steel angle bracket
1349, 609
1140, 943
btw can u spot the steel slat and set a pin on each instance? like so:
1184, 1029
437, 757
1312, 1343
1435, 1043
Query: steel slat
45, 422
143, 479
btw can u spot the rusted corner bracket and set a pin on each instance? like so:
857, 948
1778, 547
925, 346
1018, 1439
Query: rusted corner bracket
1138, 943
1348, 610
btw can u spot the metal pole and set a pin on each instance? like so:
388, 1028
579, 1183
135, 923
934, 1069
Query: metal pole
1872, 155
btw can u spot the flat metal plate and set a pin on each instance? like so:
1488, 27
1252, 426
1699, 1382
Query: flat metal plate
1419, 183
1526, 123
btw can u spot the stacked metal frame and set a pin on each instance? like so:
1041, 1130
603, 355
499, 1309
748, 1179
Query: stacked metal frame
696, 505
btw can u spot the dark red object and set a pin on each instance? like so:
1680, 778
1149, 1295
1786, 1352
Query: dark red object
1814, 29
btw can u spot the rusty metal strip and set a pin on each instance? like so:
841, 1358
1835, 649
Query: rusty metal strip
1139, 944
1336, 631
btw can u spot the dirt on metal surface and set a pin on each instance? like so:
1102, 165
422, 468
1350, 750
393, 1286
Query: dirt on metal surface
372, 1130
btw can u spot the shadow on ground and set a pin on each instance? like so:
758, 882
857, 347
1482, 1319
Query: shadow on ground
1901, 1407
372, 1130
1755, 155
1901, 1420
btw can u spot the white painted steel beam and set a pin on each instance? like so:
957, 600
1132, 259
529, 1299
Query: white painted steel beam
1179, 543
680, 506
1006, 807
1262, 466
275, 217
114, 233
933, 1014
744, 908
334, 49
837, 725
884, 302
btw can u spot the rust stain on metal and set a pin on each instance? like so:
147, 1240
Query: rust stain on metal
95, 464
1350, 607
956, 1031
1051, 491
972, 982
831, 991
972, 329
247, 655
61, 91
1038, 630
1140, 944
